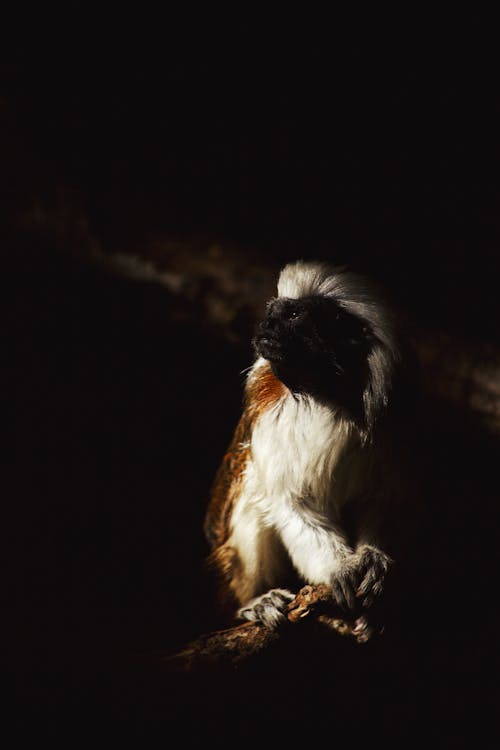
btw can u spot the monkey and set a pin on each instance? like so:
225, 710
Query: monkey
303, 491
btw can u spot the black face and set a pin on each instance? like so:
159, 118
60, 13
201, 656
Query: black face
315, 346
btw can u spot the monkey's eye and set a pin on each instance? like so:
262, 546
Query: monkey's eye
295, 315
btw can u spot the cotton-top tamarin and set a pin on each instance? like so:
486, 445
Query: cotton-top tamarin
302, 493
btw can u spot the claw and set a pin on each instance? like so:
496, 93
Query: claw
362, 578
268, 608
343, 593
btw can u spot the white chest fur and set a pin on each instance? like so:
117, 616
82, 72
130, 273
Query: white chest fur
296, 446
301, 473
305, 464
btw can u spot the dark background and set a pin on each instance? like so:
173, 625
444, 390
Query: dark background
124, 394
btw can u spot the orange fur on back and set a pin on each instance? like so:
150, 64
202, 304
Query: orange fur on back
263, 389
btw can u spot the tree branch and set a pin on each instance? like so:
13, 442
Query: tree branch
224, 648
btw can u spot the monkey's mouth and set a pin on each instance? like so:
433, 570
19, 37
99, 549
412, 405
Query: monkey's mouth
269, 348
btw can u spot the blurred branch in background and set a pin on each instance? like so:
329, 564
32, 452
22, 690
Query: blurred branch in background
225, 286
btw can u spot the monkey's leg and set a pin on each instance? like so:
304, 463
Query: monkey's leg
262, 565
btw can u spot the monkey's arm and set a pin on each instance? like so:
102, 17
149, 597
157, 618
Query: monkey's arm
363, 574
322, 552
323, 556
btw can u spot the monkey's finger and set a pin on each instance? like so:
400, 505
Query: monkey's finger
369, 590
343, 593
369, 580
374, 560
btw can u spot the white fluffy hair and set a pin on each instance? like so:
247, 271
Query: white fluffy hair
359, 297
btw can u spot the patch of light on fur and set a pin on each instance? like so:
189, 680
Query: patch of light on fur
295, 446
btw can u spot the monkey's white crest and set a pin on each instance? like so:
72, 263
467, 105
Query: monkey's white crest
353, 292
300, 279
359, 297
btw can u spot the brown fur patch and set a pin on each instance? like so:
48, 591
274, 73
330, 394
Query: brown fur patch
227, 485
263, 390
223, 563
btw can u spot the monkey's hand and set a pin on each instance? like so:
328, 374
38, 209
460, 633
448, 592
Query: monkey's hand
360, 577
269, 608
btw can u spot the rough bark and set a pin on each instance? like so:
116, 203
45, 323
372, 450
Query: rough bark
235, 645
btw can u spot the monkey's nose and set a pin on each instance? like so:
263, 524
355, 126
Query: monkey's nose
267, 326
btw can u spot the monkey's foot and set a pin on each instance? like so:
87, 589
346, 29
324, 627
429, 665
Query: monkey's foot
269, 608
